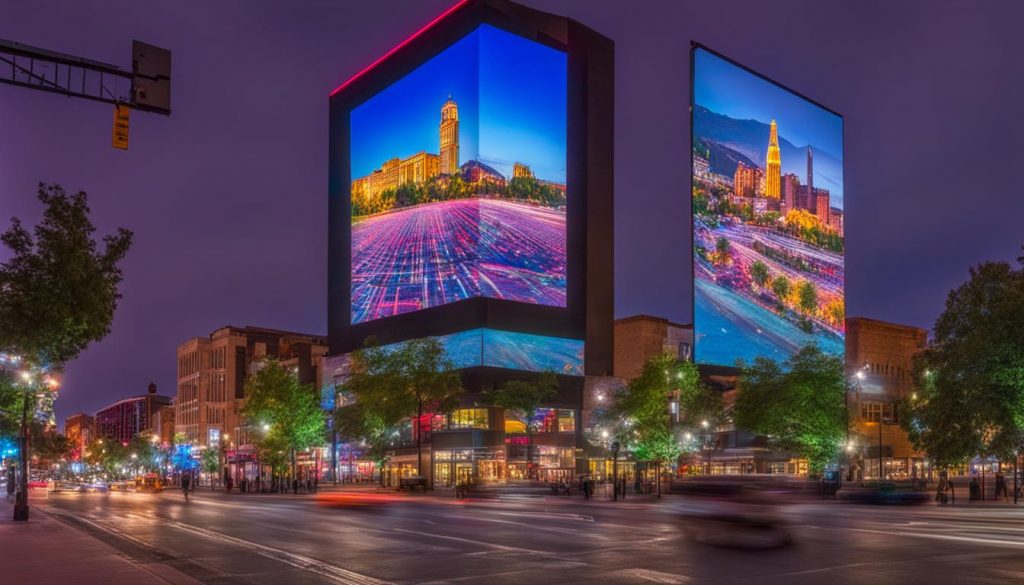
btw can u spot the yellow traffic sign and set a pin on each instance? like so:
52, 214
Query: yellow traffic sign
121, 126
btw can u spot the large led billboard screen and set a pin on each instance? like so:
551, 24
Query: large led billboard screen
458, 180
768, 217
512, 350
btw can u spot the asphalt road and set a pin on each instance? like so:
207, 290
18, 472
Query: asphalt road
370, 538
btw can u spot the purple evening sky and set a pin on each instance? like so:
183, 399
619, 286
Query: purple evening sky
227, 197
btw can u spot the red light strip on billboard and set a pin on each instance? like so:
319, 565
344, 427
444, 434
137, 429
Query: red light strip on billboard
397, 47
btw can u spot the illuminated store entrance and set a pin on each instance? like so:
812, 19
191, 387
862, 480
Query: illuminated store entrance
469, 466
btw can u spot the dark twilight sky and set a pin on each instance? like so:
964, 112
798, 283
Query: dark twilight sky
227, 197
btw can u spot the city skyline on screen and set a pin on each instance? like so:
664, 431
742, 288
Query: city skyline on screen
458, 180
769, 218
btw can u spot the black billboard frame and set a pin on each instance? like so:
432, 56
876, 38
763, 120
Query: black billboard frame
589, 310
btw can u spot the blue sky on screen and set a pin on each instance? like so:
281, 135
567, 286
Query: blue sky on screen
727, 89
511, 94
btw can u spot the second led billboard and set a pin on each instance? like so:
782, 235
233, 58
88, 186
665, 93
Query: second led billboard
458, 180
768, 217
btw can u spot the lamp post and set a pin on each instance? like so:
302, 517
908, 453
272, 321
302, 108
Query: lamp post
707, 445
615, 471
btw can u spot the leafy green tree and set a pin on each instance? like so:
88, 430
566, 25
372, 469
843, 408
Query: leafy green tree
394, 382
969, 384
723, 247
58, 292
210, 462
800, 405
358, 424
640, 416
781, 288
759, 273
275, 397
522, 399
59, 289
807, 297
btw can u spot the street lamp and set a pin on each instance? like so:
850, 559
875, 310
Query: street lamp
707, 445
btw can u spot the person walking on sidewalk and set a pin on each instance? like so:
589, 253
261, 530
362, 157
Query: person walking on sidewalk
1001, 486
186, 481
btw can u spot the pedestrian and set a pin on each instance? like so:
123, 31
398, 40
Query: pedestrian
295, 485
316, 484
230, 483
974, 489
1001, 486
186, 481
940, 491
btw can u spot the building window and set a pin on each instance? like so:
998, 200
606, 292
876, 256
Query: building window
871, 411
554, 420
470, 418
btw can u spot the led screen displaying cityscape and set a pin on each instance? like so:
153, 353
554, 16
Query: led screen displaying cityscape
458, 180
514, 351
768, 217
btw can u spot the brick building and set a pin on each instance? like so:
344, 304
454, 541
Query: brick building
212, 372
879, 359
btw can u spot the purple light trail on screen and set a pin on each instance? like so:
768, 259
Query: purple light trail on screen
443, 252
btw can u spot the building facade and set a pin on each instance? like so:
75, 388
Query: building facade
79, 428
126, 419
165, 424
880, 361
212, 371
449, 164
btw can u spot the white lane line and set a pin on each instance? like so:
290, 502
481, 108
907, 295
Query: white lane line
971, 539
655, 576
550, 515
476, 542
332, 572
573, 531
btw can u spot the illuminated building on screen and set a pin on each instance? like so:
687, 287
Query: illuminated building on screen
773, 164
746, 180
449, 137
521, 170
418, 168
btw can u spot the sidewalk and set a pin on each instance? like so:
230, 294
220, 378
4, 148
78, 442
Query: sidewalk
45, 551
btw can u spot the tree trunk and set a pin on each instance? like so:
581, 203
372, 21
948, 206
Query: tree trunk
419, 438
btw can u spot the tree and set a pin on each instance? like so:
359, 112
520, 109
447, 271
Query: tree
210, 461
723, 248
759, 273
291, 410
393, 382
58, 293
781, 288
359, 423
800, 405
807, 297
522, 399
969, 384
641, 418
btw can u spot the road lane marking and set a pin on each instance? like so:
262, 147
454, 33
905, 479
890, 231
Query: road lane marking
330, 571
656, 576
476, 542
971, 539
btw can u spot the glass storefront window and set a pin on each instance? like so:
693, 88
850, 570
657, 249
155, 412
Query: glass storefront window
554, 420
470, 418
514, 427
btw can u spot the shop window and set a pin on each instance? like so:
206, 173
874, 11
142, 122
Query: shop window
514, 427
470, 418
